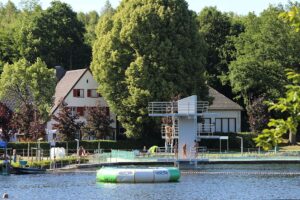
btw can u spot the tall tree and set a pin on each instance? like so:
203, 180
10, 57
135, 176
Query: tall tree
264, 50
290, 104
28, 84
215, 27
90, 21
66, 123
55, 35
148, 50
9, 24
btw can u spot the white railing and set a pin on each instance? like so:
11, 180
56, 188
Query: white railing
203, 129
162, 107
202, 106
172, 108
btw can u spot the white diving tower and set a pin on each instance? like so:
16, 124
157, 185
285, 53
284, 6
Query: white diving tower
180, 123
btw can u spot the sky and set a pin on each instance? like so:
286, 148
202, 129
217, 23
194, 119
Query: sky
241, 7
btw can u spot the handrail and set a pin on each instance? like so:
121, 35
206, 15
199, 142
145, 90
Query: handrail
173, 107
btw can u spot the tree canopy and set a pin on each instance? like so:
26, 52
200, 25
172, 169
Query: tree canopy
28, 84
55, 35
289, 105
263, 51
147, 51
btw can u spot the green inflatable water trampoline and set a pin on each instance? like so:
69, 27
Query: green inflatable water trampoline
138, 175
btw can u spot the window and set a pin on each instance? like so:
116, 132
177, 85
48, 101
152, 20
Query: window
93, 93
73, 110
77, 110
226, 125
78, 93
204, 125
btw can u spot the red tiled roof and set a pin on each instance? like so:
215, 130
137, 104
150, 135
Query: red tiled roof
222, 102
65, 85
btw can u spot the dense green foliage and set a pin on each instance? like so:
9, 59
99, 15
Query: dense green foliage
263, 51
290, 104
55, 35
28, 88
28, 84
147, 51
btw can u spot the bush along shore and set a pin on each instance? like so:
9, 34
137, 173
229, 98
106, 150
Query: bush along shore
49, 164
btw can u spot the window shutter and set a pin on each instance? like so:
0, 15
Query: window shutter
74, 92
88, 93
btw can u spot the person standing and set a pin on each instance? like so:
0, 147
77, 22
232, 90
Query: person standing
176, 149
184, 151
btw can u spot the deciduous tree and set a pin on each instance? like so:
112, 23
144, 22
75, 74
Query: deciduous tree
28, 84
5, 118
264, 50
290, 104
99, 121
147, 51
66, 123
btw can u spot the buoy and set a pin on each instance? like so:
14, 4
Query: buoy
5, 196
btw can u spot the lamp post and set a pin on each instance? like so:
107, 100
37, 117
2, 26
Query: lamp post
242, 146
39, 148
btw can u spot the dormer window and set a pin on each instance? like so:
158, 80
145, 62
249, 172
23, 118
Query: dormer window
93, 93
78, 93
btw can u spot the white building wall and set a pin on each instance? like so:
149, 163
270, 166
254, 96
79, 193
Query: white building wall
86, 82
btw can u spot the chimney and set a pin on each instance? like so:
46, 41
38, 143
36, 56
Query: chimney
59, 72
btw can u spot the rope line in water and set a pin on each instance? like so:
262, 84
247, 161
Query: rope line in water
202, 172
243, 173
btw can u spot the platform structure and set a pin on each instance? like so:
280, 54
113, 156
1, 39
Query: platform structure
182, 125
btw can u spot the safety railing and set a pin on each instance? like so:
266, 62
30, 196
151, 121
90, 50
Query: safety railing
205, 129
171, 108
202, 106
162, 107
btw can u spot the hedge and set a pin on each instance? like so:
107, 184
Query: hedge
234, 142
91, 144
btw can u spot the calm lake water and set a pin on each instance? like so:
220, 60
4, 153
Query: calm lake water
210, 182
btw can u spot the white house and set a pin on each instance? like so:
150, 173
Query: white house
223, 114
78, 89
